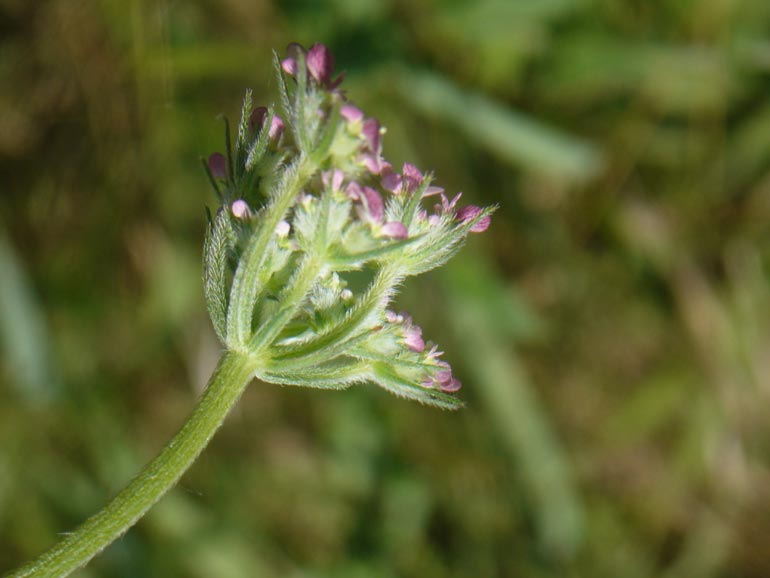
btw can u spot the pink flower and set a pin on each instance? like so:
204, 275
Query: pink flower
333, 179
395, 230
371, 132
372, 205
409, 181
257, 120
412, 333
392, 182
447, 207
412, 177
374, 163
319, 62
276, 127
293, 52
413, 337
442, 379
354, 191
469, 213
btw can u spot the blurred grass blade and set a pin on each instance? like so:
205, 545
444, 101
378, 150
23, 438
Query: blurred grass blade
23, 333
510, 135
508, 397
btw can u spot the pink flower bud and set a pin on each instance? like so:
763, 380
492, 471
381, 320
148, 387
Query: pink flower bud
375, 208
413, 338
218, 166
371, 132
412, 177
276, 127
240, 209
282, 229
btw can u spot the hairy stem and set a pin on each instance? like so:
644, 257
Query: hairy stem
226, 385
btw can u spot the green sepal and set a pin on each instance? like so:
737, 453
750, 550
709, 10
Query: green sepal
258, 148
385, 377
439, 248
243, 135
228, 151
283, 89
410, 210
299, 107
327, 138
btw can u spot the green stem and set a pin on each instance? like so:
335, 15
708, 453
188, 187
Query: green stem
226, 385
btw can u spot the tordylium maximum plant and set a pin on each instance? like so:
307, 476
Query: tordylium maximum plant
306, 200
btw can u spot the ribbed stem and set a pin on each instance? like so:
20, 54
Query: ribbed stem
226, 385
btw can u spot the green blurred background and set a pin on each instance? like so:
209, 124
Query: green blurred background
612, 328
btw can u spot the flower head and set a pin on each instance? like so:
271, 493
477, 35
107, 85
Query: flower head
305, 210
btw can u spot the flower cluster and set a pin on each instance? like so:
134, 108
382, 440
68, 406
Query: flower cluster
306, 199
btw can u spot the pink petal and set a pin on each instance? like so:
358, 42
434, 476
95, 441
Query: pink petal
392, 182
353, 191
257, 118
431, 190
413, 339
452, 386
411, 172
276, 127
470, 212
289, 66
320, 63
337, 179
371, 132
374, 204
372, 163
351, 113
395, 230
